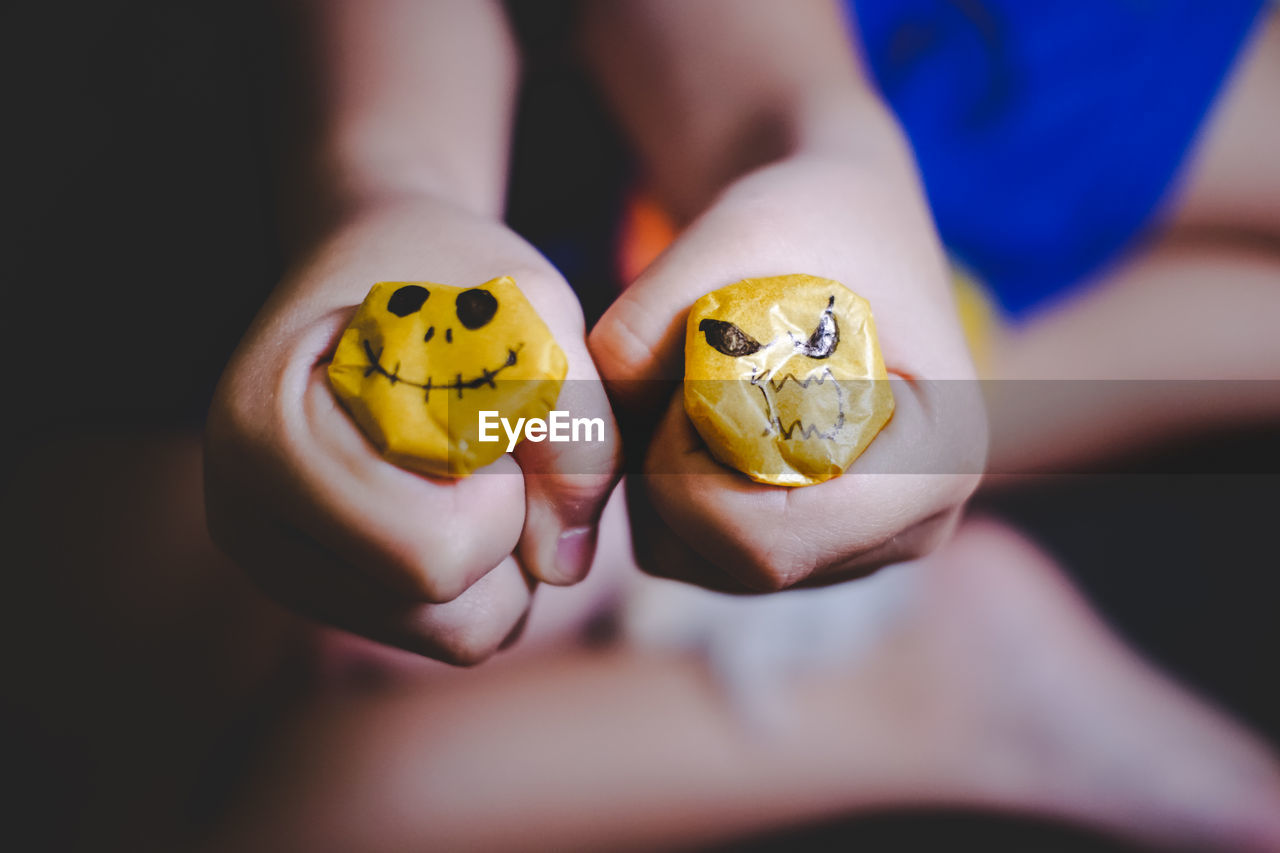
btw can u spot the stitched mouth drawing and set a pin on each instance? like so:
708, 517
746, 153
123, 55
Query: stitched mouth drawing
788, 399
458, 384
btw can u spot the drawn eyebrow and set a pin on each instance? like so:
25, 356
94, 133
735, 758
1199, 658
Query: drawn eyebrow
822, 343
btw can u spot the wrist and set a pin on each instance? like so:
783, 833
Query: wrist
860, 132
354, 186
847, 137
332, 188
367, 204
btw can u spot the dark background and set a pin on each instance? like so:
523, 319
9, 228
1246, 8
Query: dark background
141, 143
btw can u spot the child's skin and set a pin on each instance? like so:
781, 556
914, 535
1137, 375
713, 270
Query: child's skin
833, 193
998, 689
789, 165
327, 527
409, 164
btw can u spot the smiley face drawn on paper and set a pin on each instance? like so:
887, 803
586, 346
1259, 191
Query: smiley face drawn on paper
419, 362
784, 379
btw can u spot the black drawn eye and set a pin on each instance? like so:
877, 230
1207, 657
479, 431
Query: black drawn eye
728, 338
476, 307
822, 343
407, 299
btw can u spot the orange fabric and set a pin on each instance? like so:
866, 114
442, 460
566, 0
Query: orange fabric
646, 232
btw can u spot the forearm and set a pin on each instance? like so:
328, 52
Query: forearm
1061, 407
709, 91
400, 98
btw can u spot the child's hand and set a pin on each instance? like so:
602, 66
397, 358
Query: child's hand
696, 520
753, 121
326, 526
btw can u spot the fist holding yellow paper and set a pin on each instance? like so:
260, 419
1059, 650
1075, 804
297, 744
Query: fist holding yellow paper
420, 361
784, 379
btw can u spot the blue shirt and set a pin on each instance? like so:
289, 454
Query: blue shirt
1048, 131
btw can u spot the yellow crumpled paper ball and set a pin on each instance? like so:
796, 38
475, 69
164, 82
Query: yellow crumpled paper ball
420, 361
784, 379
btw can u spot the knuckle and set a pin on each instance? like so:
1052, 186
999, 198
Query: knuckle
771, 568
581, 497
765, 581
468, 642
921, 539
439, 559
440, 563
433, 572
934, 532
432, 587
468, 650
967, 485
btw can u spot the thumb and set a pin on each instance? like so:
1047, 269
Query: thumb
638, 344
568, 477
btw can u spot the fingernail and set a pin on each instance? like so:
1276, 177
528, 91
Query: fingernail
574, 551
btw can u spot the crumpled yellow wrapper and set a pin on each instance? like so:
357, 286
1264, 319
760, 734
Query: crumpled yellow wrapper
420, 361
784, 379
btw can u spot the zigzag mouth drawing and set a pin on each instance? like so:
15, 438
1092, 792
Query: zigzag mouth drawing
766, 383
458, 384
